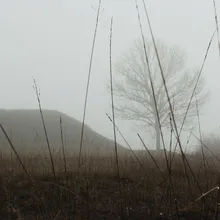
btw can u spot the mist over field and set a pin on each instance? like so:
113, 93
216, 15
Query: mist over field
109, 109
51, 41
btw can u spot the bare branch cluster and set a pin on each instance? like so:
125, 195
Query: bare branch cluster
132, 85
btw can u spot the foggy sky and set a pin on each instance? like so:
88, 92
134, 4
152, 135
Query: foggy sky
51, 41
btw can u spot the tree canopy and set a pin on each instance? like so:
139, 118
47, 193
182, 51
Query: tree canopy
135, 97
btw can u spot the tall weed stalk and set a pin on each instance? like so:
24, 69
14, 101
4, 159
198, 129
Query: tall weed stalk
44, 127
87, 85
113, 121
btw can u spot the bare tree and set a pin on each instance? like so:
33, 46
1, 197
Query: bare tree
132, 86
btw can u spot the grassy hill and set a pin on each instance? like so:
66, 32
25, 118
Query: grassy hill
144, 191
26, 132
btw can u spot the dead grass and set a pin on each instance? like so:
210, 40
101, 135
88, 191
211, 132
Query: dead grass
145, 193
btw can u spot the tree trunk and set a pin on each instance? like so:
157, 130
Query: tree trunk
157, 132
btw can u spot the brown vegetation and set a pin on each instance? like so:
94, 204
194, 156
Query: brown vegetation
94, 195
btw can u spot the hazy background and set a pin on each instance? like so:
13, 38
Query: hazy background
51, 41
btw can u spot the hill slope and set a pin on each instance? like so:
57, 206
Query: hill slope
26, 131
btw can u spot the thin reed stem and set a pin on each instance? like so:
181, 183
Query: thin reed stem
217, 204
195, 86
24, 168
155, 162
200, 134
88, 84
44, 127
63, 147
113, 120
151, 83
129, 146
112, 102
184, 159
164, 84
153, 90
217, 26
218, 159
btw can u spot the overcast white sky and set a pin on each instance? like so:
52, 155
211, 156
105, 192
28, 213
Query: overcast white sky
51, 41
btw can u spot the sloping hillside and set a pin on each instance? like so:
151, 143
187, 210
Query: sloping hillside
26, 131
